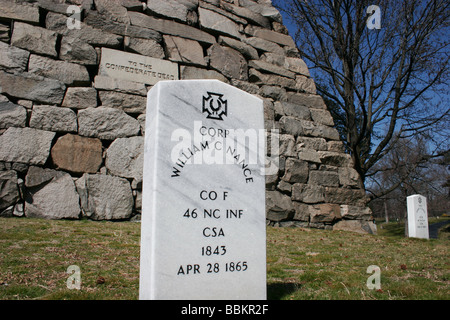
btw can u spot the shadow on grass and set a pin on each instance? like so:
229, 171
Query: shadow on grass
279, 290
393, 229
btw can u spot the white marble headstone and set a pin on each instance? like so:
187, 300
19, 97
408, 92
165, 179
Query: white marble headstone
417, 216
203, 232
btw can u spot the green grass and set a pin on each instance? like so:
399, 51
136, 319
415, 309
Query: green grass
321, 264
35, 255
301, 263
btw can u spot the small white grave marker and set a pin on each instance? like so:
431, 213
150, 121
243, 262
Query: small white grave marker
417, 216
203, 212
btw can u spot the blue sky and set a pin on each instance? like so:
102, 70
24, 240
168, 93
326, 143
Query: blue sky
288, 24
442, 99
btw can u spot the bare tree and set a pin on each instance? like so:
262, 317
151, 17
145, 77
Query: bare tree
405, 170
384, 84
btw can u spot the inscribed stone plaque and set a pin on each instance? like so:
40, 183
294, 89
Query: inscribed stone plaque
417, 216
135, 67
203, 211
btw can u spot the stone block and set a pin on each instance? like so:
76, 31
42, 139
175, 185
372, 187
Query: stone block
358, 226
10, 10
31, 87
125, 157
308, 193
56, 200
119, 85
309, 155
306, 99
34, 39
335, 146
266, 34
97, 21
322, 116
141, 119
3, 98
271, 181
269, 110
215, 22
222, 11
264, 45
12, 115
112, 10
105, 197
295, 110
146, 47
12, 58
305, 84
291, 125
309, 128
25, 145
246, 50
19, 209
356, 197
175, 9
349, 177
106, 123
264, 9
273, 92
270, 79
66, 72
37, 176
287, 145
190, 72
284, 187
297, 65
77, 51
279, 27
270, 68
296, 171
9, 190
53, 118
80, 98
351, 212
170, 27
278, 206
302, 211
4, 33
228, 61
246, 86
96, 37
311, 143
325, 213
59, 6
335, 159
129, 103
77, 154
273, 58
324, 178
247, 14
184, 50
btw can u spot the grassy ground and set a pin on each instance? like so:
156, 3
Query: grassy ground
301, 263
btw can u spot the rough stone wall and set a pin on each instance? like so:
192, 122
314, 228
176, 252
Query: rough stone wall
71, 139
